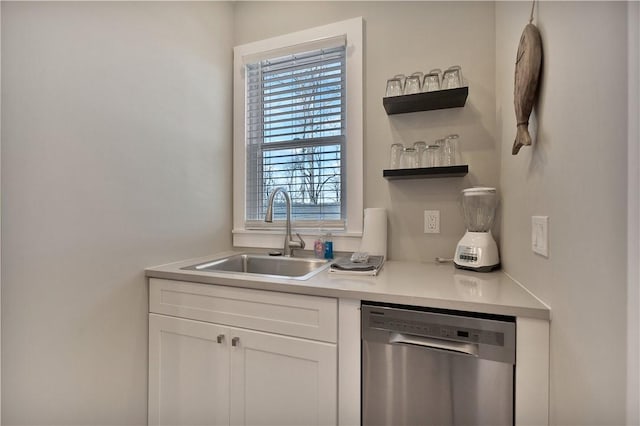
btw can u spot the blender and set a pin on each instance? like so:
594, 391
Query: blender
477, 250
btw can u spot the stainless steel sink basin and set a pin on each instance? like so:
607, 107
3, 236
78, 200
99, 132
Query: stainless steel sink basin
257, 264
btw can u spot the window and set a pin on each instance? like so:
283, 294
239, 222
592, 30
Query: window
295, 136
298, 124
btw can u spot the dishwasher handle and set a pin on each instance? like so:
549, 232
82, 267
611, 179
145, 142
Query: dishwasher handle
469, 349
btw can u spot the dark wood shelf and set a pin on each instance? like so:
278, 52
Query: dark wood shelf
426, 101
426, 172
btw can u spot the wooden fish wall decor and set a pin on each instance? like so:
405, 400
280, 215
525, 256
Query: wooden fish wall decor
528, 63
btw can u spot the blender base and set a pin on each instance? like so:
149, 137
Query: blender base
478, 268
477, 251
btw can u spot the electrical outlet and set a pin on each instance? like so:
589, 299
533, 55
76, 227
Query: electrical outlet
540, 235
432, 221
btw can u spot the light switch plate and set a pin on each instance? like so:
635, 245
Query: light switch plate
540, 235
432, 221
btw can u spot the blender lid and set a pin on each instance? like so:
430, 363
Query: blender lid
479, 190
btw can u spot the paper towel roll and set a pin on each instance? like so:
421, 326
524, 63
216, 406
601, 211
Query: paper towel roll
374, 237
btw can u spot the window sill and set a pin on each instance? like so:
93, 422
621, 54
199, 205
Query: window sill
342, 241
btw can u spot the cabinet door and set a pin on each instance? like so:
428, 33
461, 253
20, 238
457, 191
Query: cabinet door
188, 372
279, 380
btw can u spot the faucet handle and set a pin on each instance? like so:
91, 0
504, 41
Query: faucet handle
301, 240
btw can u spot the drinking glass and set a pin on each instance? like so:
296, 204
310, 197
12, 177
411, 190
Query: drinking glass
440, 152
412, 85
459, 68
438, 72
431, 82
408, 158
451, 79
450, 150
418, 74
430, 156
396, 150
402, 78
419, 146
394, 87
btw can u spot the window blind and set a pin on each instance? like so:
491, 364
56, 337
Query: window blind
295, 137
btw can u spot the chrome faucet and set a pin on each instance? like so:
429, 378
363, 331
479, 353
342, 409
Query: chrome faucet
289, 243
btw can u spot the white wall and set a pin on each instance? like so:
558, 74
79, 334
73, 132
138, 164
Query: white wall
116, 150
633, 216
403, 37
576, 173
0, 222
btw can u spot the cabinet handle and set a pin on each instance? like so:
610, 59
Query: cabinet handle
235, 341
220, 338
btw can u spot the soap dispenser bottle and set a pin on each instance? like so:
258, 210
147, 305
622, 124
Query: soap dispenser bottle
328, 246
318, 247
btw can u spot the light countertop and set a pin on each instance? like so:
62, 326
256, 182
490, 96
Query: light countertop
408, 283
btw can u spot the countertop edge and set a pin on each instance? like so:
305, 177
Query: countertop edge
299, 287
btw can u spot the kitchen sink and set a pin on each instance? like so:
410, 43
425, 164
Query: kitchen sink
258, 264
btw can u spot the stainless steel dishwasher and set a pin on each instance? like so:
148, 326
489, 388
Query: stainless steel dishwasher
435, 367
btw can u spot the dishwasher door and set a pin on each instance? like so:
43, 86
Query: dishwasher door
426, 368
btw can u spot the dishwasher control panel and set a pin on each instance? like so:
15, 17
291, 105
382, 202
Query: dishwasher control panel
433, 325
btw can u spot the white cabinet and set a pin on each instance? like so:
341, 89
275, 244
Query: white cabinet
277, 380
188, 373
217, 373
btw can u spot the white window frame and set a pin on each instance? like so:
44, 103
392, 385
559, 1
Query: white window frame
349, 239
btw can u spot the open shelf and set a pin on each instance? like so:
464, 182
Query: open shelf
426, 172
426, 101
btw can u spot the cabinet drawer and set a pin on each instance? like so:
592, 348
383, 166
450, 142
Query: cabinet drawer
297, 315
